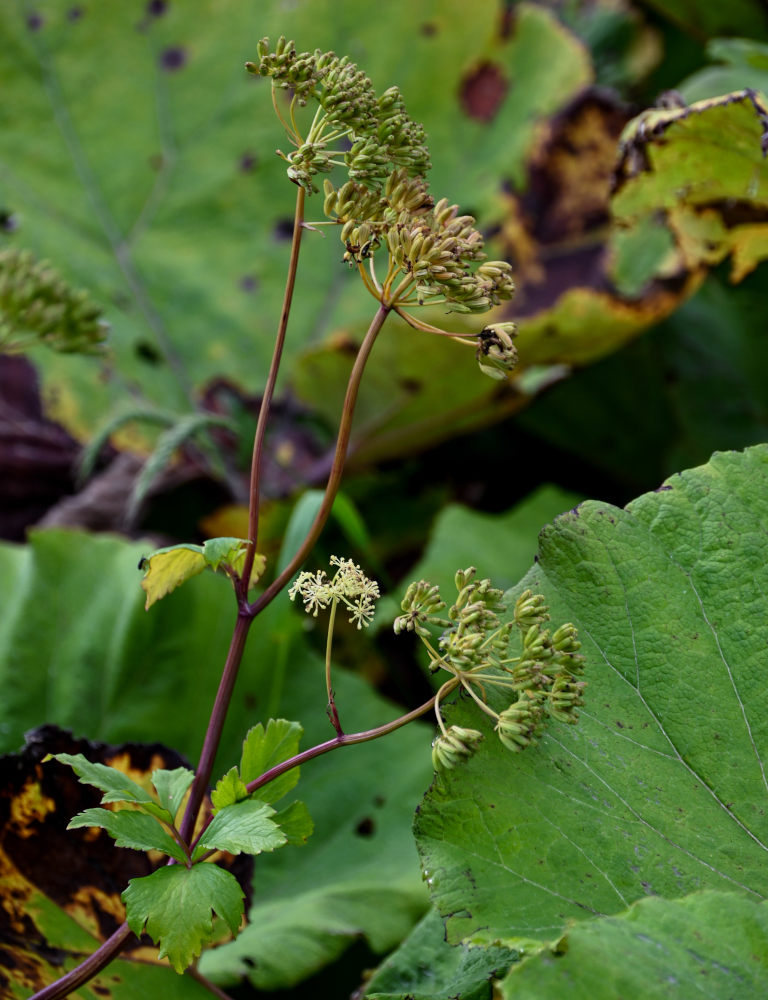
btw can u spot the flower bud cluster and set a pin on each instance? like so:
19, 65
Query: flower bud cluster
475, 648
348, 586
454, 746
36, 304
381, 135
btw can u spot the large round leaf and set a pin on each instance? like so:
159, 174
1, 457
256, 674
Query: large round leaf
661, 787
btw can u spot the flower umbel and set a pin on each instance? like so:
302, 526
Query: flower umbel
474, 649
348, 586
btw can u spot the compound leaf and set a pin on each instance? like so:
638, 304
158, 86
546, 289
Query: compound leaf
116, 785
171, 787
229, 789
295, 822
167, 568
154, 904
130, 828
264, 749
243, 827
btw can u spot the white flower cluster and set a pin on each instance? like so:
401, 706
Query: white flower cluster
348, 586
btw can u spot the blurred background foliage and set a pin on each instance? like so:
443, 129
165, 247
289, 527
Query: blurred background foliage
137, 157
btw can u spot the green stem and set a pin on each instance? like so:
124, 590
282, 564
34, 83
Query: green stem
333, 714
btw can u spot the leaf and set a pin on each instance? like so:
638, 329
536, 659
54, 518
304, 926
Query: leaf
67, 908
243, 827
705, 945
115, 784
167, 568
264, 749
172, 786
153, 903
426, 967
296, 823
229, 789
130, 828
637, 798
659, 171
115, 679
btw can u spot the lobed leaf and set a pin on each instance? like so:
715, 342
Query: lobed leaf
168, 568
243, 827
116, 785
264, 749
172, 786
154, 903
130, 828
295, 822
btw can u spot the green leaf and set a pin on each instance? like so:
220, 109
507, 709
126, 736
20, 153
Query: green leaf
710, 944
243, 827
264, 749
660, 788
295, 822
115, 678
229, 789
116, 785
171, 787
660, 170
130, 828
153, 904
167, 568
426, 967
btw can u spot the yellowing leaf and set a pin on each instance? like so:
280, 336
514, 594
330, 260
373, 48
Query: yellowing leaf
165, 569
169, 567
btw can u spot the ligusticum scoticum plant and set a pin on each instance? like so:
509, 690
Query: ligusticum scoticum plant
410, 251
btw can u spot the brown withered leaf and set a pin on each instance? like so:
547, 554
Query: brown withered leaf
60, 889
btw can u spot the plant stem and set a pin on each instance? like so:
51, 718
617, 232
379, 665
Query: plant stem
266, 399
215, 725
334, 478
103, 955
333, 714
341, 740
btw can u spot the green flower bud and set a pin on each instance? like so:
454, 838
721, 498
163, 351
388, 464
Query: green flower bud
454, 746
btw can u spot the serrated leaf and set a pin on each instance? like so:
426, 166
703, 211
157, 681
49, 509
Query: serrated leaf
295, 822
168, 568
243, 827
130, 828
171, 787
154, 904
116, 785
264, 749
711, 944
229, 789
661, 787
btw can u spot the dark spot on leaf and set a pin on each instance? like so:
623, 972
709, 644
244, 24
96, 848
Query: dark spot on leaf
283, 229
249, 283
366, 827
173, 58
9, 223
428, 29
148, 352
379, 801
75, 13
156, 8
247, 960
482, 92
619, 724
410, 385
35, 21
247, 162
